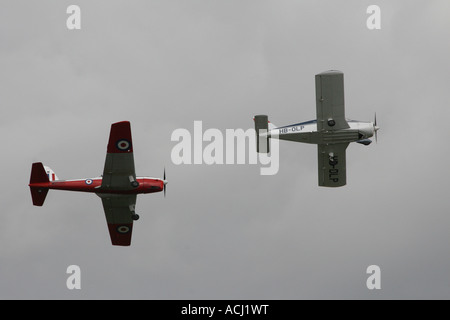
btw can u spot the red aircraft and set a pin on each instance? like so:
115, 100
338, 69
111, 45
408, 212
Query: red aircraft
117, 187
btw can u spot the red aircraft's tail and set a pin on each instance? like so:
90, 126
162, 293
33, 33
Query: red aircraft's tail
38, 176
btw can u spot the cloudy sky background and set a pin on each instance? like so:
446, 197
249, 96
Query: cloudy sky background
225, 231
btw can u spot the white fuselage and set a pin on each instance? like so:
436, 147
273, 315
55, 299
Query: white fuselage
307, 132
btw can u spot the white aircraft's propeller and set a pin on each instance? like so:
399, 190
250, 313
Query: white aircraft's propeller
375, 128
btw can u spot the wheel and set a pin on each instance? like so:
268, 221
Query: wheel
135, 184
331, 122
135, 217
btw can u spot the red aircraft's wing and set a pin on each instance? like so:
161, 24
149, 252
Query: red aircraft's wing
118, 210
118, 175
119, 172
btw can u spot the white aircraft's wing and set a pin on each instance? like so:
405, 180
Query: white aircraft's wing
118, 211
119, 163
331, 164
330, 101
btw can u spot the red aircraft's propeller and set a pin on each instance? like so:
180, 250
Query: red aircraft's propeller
165, 182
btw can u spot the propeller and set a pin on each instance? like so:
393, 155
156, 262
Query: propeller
375, 128
165, 182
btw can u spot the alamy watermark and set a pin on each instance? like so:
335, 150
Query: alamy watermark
73, 21
374, 280
374, 20
235, 146
74, 280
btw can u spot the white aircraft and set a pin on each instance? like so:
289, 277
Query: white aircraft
332, 132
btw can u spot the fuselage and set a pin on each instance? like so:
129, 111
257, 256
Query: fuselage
94, 185
307, 132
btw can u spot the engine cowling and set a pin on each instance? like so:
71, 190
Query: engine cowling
152, 185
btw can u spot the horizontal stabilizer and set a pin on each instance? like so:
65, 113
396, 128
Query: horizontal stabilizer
38, 195
38, 174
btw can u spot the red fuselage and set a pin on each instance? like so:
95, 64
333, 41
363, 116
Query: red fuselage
146, 185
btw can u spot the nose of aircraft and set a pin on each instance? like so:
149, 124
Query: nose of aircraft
376, 128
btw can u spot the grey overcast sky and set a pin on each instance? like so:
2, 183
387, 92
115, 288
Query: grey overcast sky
225, 231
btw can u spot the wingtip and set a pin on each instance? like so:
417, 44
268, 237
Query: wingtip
330, 72
120, 122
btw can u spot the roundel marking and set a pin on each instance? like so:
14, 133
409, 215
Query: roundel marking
123, 229
88, 181
123, 145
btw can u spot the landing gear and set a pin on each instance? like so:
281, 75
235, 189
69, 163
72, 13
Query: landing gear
134, 215
331, 122
133, 182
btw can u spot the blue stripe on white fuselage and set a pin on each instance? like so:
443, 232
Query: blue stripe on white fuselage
312, 122
302, 127
299, 124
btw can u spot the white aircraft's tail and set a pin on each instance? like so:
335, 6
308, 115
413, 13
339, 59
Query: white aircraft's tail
262, 126
272, 126
51, 174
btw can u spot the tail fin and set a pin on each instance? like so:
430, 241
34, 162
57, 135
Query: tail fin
262, 131
38, 176
50, 174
